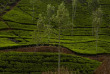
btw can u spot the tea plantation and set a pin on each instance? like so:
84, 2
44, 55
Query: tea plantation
18, 25
36, 63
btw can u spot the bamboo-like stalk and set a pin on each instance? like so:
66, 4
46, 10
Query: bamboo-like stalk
97, 16
33, 8
62, 20
59, 53
74, 5
33, 13
50, 12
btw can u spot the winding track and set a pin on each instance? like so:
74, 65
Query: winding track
54, 49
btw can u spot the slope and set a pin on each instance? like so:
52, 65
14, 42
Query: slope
22, 21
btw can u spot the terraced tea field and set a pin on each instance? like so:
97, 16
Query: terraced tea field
18, 26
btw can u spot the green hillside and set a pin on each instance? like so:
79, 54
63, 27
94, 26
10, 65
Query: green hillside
36, 63
18, 25
25, 23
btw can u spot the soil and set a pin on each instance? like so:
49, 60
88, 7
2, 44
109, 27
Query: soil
104, 68
53, 49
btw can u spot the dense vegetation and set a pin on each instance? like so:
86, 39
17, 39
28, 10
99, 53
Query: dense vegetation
19, 25
36, 63
83, 28
6, 5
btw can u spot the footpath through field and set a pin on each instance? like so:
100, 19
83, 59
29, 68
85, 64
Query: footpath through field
54, 49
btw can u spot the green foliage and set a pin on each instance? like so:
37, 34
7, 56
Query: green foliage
33, 1
62, 16
2, 25
20, 19
5, 42
18, 16
5, 5
50, 11
14, 62
40, 27
97, 18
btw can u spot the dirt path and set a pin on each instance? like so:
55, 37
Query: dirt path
99, 57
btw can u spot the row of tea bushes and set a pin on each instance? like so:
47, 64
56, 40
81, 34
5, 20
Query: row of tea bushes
22, 62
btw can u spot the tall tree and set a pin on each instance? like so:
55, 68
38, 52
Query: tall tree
38, 36
74, 5
44, 27
50, 13
97, 18
32, 2
62, 18
93, 4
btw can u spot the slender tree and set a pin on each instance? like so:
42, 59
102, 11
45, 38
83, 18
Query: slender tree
50, 13
38, 36
74, 5
32, 2
97, 17
44, 25
62, 19
93, 5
